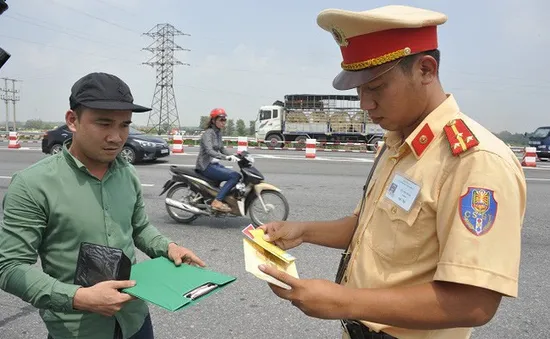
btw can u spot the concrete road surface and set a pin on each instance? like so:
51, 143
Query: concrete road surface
325, 188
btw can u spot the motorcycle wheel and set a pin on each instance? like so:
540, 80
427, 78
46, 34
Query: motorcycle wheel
267, 195
176, 215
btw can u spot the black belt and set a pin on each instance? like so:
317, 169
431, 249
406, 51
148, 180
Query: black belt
356, 330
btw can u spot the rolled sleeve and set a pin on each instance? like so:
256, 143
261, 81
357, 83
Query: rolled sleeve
479, 221
21, 234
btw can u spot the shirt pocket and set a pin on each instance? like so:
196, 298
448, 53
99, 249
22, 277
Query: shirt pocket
395, 234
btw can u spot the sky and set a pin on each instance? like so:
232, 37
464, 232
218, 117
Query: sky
244, 54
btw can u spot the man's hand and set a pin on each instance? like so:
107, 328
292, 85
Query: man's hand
316, 298
284, 234
103, 298
180, 254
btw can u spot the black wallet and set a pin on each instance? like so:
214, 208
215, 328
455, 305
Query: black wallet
97, 263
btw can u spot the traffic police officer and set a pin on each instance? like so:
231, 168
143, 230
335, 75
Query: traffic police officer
435, 242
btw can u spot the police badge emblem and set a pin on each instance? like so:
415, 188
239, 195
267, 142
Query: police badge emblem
339, 37
478, 209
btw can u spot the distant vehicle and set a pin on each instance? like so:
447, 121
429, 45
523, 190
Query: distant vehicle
540, 139
139, 146
326, 118
190, 195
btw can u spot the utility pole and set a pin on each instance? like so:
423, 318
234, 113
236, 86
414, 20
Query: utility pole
6, 99
14, 98
10, 95
164, 114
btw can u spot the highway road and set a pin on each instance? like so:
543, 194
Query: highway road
325, 188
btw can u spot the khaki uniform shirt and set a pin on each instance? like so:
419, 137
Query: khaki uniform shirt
446, 217
49, 209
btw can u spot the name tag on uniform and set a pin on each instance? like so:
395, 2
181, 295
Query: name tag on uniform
403, 192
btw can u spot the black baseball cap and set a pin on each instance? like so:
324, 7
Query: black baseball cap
103, 91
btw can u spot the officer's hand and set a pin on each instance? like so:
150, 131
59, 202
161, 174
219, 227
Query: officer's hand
232, 158
103, 298
316, 298
284, 234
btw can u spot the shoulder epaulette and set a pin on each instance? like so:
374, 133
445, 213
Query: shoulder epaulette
460, 137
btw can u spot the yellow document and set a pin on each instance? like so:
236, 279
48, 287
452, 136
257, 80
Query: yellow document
255, 255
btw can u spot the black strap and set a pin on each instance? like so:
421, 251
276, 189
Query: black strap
357, 330
346, 255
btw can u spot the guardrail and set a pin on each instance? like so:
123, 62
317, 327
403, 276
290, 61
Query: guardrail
38, 136
253, 143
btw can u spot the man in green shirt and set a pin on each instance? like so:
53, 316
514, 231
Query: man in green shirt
86, 193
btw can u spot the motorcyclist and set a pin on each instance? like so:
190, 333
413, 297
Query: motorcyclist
211, 152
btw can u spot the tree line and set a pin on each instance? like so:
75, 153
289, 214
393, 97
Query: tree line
232, 128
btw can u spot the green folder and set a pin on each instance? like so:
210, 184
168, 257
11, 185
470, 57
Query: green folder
160, 282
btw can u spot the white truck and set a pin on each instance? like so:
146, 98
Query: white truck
326, 118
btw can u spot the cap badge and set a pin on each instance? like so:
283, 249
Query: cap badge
339, 37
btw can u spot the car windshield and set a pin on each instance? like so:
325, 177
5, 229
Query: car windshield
135, 131
541, 132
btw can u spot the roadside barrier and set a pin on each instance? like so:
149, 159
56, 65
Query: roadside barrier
14, 140
242, 144
310, 148
529, 157
177, 146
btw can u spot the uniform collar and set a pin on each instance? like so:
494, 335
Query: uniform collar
428, 130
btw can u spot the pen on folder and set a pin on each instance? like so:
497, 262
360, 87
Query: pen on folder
200, 291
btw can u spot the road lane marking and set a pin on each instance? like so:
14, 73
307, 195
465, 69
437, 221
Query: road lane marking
183, 165
540, 166
21, 149
152, 185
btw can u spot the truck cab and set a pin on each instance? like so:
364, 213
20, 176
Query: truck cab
269, 125
540, 139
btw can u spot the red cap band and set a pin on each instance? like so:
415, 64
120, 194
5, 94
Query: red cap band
370, 50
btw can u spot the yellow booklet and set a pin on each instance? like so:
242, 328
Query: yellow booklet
258, 251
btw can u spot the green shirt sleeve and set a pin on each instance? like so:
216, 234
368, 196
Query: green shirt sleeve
146, 236
20, 239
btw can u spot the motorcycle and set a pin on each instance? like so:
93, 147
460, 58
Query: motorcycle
250, 196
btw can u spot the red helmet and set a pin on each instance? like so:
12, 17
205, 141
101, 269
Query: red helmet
216, 112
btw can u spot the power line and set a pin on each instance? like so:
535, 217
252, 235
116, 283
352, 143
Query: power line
30, 21
95, 17
164, 115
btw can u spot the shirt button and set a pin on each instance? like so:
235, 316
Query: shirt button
394, 210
